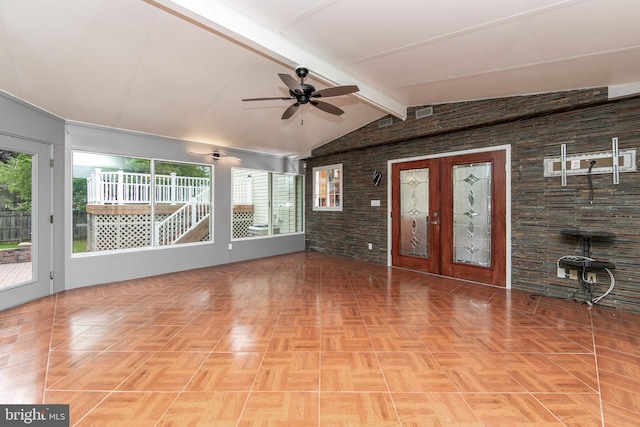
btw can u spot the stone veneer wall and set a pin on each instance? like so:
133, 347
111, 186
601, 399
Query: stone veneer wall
534, 126
20, 254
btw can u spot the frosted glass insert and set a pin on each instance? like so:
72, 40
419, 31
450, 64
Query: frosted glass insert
414, 211
472, 214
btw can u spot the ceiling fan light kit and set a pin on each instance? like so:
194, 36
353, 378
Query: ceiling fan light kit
304, 93
215, 155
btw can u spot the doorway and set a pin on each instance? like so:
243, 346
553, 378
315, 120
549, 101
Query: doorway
448, 216
25, 228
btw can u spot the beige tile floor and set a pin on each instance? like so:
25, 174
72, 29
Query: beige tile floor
313, 340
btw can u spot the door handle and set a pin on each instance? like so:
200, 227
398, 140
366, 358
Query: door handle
434, 222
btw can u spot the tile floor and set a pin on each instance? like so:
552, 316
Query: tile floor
312, 340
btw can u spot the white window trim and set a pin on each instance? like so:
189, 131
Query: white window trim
271, 205
152, 202
341, 194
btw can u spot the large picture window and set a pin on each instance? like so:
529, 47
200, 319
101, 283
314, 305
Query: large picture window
266, 203
327, 188
126, 202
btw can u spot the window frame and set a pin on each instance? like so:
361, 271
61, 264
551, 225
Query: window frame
321, 189
273, 209
152, 202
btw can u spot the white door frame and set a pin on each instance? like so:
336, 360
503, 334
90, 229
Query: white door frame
41, 210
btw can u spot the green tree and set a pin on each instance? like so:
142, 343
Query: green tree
15, 179
79, 194
165, 168
135, 165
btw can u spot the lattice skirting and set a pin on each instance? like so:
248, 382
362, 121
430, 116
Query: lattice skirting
109, 232
241, 223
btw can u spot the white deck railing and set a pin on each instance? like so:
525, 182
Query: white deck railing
135, 188
179, 223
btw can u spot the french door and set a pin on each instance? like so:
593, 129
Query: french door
449, 216
26, 273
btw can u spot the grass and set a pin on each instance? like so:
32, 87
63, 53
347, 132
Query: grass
79, 246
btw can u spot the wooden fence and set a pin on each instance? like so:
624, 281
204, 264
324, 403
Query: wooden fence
15, 226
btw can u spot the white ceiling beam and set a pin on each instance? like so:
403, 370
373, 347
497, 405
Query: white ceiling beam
220, 18
621, 90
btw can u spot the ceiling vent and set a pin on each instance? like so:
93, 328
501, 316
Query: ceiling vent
387, 121
424, 112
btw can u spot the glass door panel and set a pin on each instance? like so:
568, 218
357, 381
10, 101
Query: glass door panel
25, 228
415, 226
16, 186
472, 214
414, 211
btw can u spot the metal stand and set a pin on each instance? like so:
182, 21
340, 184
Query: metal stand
586, 263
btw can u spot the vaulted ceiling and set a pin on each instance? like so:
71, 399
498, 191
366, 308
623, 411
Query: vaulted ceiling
181, 68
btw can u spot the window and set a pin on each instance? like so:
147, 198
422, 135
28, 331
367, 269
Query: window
266, 203
182, 203
125, 202
327, 188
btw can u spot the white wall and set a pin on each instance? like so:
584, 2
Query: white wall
21, 120
27, 123
96, 268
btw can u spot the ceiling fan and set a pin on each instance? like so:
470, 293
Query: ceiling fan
215, 155
304, 93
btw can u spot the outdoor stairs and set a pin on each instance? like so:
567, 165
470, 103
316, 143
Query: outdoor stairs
197, 233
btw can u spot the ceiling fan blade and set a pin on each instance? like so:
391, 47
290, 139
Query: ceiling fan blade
225, 157
290, 82
335, 91
283, 98
199, 153
327, 108
289, 111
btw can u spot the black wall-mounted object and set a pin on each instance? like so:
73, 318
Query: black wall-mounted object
586, 237
377, 176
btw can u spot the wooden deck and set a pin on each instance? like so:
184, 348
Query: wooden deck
12, 274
